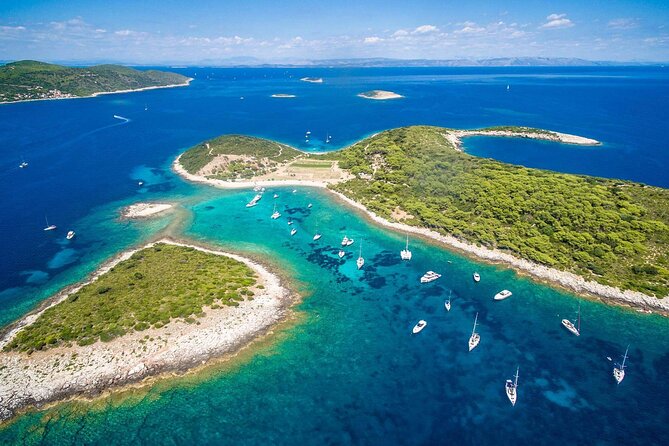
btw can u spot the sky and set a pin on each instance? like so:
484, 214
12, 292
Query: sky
211, 31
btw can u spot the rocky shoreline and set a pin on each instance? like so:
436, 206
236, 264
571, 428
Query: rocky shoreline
64, 372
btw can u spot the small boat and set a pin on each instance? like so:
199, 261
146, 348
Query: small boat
309, 206
346, 241
502, 295
475, 337
48, 226
290, 222
146, 107
294, 190
477, 277
508, 88
512, 388
360, 262
275, 214
293, 231
256, 188
121, 118
619, 370
308, 133
447, 304
342, 253
254, 201
429, 276
276, 195
241, 97
405, 254
140, 183
317, 236
23, 165
70, 235
574, 328
419, 326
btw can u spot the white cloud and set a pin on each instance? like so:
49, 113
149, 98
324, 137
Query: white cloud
557, 21
423, 29
400, 33
12, 28
623, 23
469, 28
372, 40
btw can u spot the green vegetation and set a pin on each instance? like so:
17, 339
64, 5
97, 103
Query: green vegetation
248, 156
613, 232
151, 288
37, 80
515, 129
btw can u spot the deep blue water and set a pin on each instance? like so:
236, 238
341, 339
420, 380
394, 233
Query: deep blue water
348, 371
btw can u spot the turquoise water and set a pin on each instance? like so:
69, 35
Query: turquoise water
346, 370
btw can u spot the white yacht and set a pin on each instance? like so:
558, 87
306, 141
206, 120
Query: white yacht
293, 231
477, 277
360, 262
405, 254
294, 190
574, 328
512, 389
447, 304
475, 337
419, 326
275, 214
619, 371
23, 165
254, 201
70, 235
317, 236
346, 241
502, 295
342, 253
429, 276
48, 226
276, 195
309, 206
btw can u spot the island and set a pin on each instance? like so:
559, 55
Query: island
167, 306
600, 237
380, 95
144, 210
283, 95
313, 80
29, 80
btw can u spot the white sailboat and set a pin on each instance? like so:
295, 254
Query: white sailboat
405, 254
447, 304
317, 236
419, 326
70, 235
619, 371
48, 226
477, 277
276, 195
342, 253
275, 214
309, 206
23, 164
475, 337
512, 388
574, 328
293, 231
360, 262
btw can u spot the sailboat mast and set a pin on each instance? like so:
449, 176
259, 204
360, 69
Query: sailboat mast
624, 358
579, 318
475, 320
360, 254
516, 383
407, 247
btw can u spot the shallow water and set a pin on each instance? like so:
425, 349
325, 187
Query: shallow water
348, 371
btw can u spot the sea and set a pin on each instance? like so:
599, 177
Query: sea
345, 369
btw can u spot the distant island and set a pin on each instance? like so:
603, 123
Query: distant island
29, 80
592, 235
380, 95
168, 306
313, 80
283, 95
